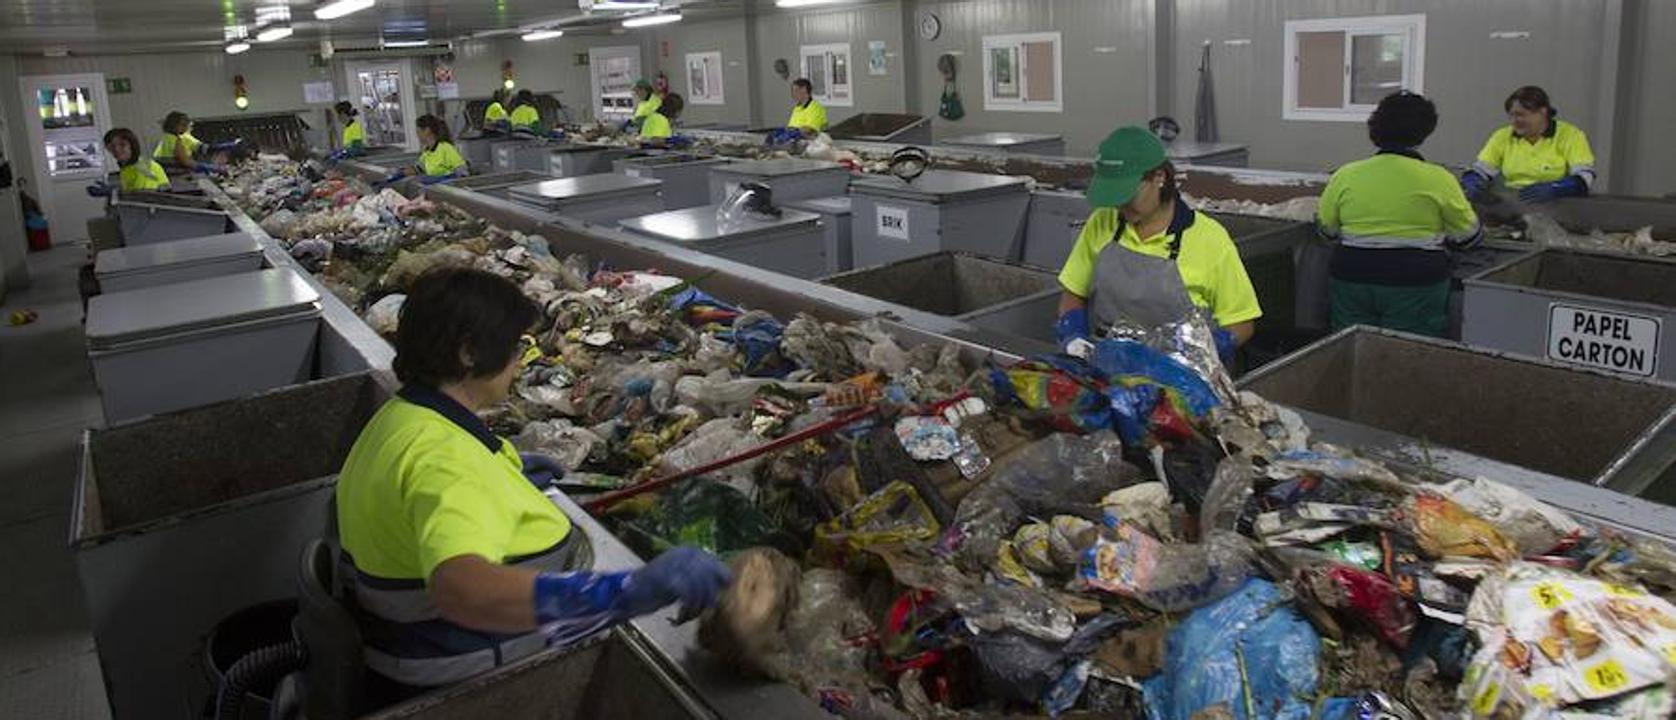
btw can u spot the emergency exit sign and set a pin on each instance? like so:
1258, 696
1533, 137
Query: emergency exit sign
1615, 341
118, 86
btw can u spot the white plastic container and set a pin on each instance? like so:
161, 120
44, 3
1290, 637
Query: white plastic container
165, 263
178, 346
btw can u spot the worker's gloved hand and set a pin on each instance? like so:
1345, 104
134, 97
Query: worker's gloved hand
628, 125
686, 575
229, 146
434, 179
99, 189
1474, 184
1226, 345
391, 179
783, 136
541, 469
208, 169
1568, 186
338, 154
677, 141
1070, 332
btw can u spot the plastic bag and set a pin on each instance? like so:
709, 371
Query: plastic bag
1070, 401
722, 395
1249, 656
893, 515
1362, 596
706, 515
385, 315
1168, 577
745, 627
712, 441
1533, 527
756, 335
1555, 638
571, 445
1445, 529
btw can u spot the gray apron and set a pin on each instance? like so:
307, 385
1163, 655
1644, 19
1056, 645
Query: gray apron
1138, 288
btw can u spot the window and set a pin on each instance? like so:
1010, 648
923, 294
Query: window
828, 69
704, 78
1338, 69
1023, 73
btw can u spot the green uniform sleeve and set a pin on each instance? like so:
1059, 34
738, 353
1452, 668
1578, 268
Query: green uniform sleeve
1326, 212
1233, 299
453, 517
1077, 275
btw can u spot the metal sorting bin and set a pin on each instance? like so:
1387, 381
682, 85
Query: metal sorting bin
686, 177
1603, 311
1016, 299
939, 210
181, 519
498, 184
1015, 143
884, 127
793, 244
1189, 152
603, 197
165, 263
790, 178
193, 343
150, 217
835, 217
1425, 400
614, 676
479, 151
576, 159
521, 154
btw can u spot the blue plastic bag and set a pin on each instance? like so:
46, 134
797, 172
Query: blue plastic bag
1129, 358
1250, 651
758, 339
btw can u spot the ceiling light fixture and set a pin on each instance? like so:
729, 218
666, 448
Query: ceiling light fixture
537, 35
237, 46
339, 8
803, 3
406, 43
623, 5
649, 20
273, 32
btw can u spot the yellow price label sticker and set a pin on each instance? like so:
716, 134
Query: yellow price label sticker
1541, 692
1670, 653
1486, 700
1623, 590
1550, 595
1607, 677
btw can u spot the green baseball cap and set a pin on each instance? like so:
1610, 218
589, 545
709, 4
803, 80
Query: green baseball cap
1125, 156
643, 83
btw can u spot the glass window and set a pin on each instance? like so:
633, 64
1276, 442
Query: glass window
1338, 69
1023, 72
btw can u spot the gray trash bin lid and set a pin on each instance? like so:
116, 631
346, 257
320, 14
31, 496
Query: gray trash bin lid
192, 251
117, 318
697, 225
939, 186
554, 192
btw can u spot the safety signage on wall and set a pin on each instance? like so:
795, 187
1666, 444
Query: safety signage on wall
1620, 342
893, 222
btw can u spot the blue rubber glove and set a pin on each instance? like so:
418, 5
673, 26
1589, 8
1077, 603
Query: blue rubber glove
1568, 186
783, 136
434, 179
686, 575
1072, 325
628, 125
1225, 345
677, 141
227, 146
208, 169
392, 179
99, 189
577, 604
1474, 184
541, 469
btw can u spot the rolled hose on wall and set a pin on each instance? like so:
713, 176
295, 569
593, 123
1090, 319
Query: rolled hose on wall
263, 666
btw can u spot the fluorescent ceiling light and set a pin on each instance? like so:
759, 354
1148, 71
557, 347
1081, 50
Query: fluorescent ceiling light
276, 32
339, 8
406, 43
542, 35
237, 46
648, 20
802, 3
623, 5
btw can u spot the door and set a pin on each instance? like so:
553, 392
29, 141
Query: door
67, 117
383, 92
613, 71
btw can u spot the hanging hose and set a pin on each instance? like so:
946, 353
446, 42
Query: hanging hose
259, 667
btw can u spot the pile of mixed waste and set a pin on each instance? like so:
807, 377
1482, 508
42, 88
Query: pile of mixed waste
934, 535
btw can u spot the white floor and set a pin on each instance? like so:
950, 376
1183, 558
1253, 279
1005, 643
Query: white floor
48, 665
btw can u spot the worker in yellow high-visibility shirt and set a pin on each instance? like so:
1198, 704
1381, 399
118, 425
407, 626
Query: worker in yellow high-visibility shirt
659, 127
525, 116
495, 115
1538, 154
138, 171
178, 147
646, 102
354, 133
808, 116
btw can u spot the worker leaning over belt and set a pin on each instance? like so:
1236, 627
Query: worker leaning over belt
354, 133
179, 148
495, 115
525, 116
460, 562
1538, 154
646, 102
1394, 216
1144, 256
808, 116
439, 160
658, 127
138, 171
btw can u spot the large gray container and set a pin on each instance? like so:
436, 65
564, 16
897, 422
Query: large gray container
836, 217
528, 154
175, 261
1188, 152
1610, 312
686, 177
1434, 399
1016, 299
152, 217
1012, 143
498, 184
793, 244
614, 676
791, 179
884, 127
479, 151
576, 160
601, 197
181, 519
939, 210
193, 343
